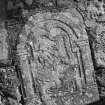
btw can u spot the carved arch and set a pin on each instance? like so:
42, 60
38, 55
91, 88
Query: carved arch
79, 48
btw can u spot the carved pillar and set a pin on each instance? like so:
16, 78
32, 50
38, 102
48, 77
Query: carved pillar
86, 60
26, 73
88, 68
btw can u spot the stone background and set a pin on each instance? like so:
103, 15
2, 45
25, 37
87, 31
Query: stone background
94, 19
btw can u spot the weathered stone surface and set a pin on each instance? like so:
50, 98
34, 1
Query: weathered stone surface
53, 56
57, 53
3, 43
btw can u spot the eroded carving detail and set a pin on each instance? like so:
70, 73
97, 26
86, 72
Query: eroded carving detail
53, 51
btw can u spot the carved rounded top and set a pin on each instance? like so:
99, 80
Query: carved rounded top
70, 20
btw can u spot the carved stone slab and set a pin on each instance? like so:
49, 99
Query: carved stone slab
55, 57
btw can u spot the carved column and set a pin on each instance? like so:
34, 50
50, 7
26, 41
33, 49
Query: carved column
88, 68
26, 73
